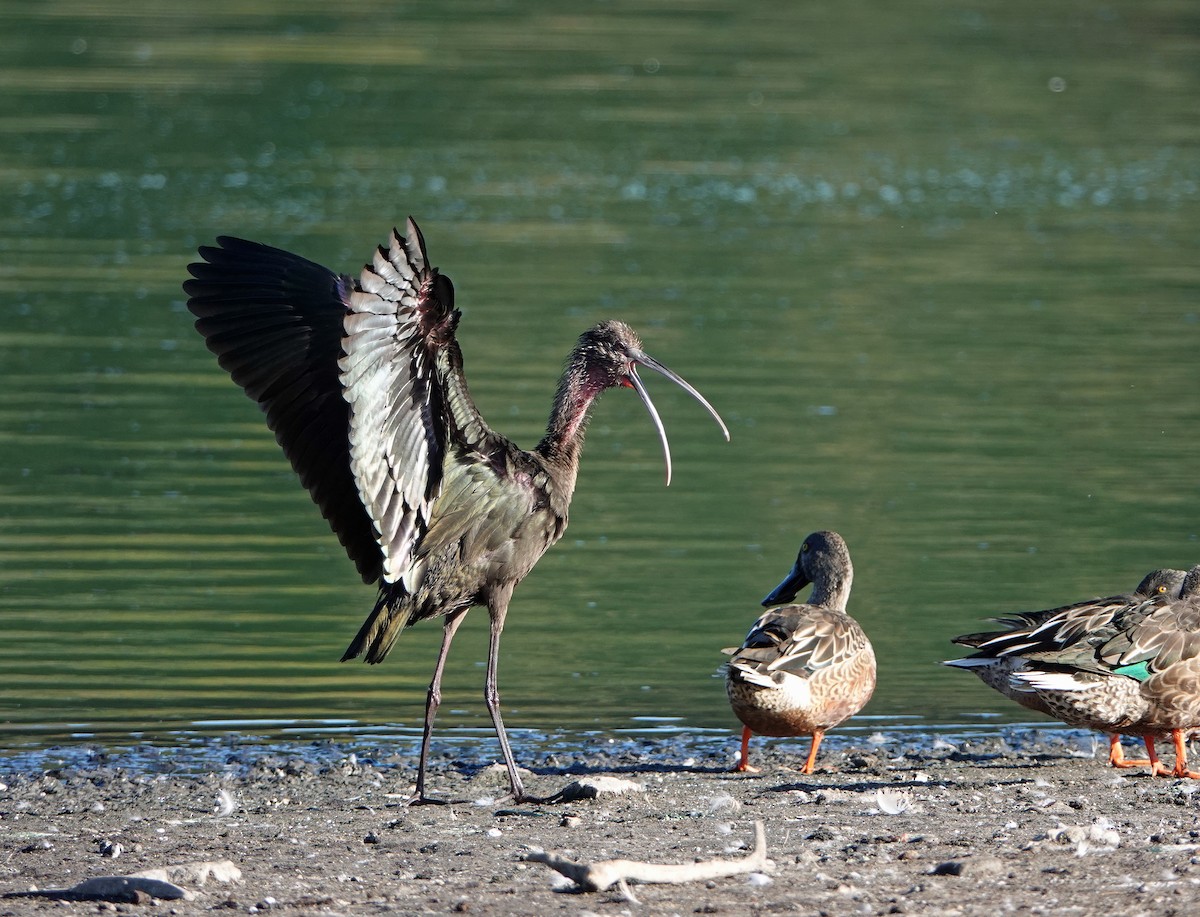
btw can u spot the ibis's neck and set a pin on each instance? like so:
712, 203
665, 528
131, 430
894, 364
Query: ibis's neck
568, 417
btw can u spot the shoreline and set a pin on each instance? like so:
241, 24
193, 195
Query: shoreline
201, 750
960, 827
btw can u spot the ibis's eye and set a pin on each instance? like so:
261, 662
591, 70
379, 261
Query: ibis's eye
804, 547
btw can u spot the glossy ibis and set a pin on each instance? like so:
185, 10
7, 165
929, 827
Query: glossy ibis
362, 382
1130, 667
803, 669
996, 664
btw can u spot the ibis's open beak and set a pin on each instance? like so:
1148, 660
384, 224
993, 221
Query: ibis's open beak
651, 363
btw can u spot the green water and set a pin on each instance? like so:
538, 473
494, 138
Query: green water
937, 267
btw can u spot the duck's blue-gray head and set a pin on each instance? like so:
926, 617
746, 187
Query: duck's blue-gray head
824, 561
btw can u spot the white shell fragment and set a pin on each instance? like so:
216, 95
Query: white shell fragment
893, 802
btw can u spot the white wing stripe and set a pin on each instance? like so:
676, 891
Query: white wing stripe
386, 379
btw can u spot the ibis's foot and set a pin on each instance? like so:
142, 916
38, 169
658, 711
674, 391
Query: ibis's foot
427, 801
745, 767
420, 799
531, 800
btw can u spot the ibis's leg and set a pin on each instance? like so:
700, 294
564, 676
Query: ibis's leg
1157, 768
818, 735
743, 762
1181, 768
491, 694
433, 700
1116, 754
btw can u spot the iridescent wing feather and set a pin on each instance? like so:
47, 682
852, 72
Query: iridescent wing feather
401, 313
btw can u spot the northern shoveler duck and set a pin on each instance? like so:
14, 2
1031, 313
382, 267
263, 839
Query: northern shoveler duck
1132, 669
803, 669
997, 671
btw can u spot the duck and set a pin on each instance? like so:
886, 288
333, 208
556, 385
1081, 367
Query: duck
803, 668
1132, 669
996, 667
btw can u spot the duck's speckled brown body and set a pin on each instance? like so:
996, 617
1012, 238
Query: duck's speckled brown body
1089, 701
1129, 667
803, 669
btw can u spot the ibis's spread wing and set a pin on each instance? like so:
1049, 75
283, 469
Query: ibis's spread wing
401, 315
274, 320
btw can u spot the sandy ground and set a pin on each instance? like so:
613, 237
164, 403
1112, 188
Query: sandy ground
1024, 824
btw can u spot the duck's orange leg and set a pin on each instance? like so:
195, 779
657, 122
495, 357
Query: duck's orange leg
1116, 755
1181, 768
817, 736
743, 763
1157, 768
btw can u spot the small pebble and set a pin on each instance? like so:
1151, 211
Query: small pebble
949, 868
987, 866
371, 838
595, 787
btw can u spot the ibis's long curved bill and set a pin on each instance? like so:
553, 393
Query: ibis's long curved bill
651, 363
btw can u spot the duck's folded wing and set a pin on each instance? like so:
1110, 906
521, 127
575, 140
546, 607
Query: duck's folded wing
1057, 628
800, 642
1160, 638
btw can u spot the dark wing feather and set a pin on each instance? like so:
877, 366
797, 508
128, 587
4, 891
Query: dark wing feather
1068, 623
1158, 633
274, 321
1059, 627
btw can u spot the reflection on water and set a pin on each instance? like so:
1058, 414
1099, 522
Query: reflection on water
936, 268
